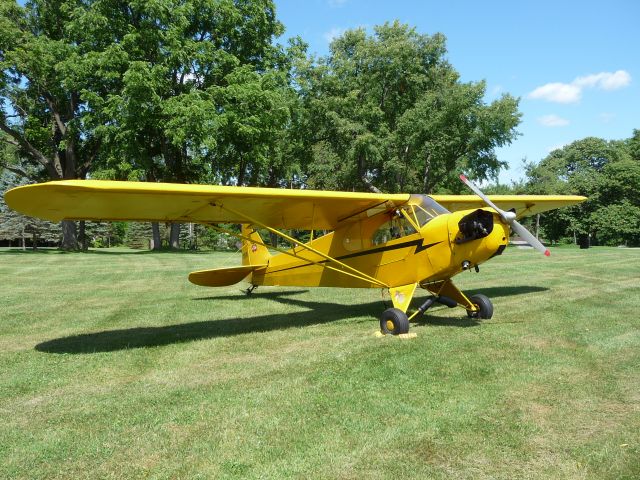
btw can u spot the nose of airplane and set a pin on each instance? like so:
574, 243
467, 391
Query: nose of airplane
479, 235
497, 240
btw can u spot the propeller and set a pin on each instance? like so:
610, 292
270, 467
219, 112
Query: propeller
509, 218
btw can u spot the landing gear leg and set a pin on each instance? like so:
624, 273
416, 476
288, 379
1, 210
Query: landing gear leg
478, 306
394, 320
249, 290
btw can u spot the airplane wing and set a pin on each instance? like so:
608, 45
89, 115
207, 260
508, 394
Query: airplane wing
168, 202
524, 205
276, 207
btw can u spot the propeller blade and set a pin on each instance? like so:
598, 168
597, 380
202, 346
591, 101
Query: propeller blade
484, 198
528, 237
510, 218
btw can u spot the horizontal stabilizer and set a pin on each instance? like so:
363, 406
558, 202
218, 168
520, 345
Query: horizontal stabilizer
221, 277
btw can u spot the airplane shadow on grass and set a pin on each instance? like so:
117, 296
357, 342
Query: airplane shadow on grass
315, 313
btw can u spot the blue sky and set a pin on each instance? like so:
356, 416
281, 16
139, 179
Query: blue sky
574, 64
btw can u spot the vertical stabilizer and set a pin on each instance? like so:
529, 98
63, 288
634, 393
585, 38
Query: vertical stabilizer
253, 250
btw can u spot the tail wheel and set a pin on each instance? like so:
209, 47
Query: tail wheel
394, 321
485, 307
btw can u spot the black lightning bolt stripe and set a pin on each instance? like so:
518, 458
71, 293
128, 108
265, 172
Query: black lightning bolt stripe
417, 243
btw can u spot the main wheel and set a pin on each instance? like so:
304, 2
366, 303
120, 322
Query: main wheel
485, 307
394, 321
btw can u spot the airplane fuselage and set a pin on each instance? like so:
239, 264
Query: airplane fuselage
437, 251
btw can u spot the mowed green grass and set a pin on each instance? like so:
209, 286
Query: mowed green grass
112, 365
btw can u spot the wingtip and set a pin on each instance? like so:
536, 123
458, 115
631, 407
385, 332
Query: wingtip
547, 253
462, 177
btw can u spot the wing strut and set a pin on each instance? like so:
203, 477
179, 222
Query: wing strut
354, 271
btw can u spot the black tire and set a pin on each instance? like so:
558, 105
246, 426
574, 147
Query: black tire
484, 305
394, 321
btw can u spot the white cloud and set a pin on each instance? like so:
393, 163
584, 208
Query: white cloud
605, 80
557, 92
334, 33
553, 120
572, 92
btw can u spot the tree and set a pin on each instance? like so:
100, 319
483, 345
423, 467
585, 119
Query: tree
388, 112
608, 174
634, 145
206, 93
170, 90
47, 69
255, 115
137, 235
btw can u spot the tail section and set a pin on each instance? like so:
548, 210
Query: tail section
255, 259
253, 250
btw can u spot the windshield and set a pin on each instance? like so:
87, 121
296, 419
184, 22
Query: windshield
426, 208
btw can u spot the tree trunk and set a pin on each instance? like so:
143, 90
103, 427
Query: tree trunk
426, 184
241, 170
82, 237
174, 236
156, 243
69, 235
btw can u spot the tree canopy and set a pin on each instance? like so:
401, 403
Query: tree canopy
170, 90
204, 91
388, 111
608, 173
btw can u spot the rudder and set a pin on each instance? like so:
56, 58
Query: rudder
253, 250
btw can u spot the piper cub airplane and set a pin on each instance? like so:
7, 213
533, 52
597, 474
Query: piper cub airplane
396, 242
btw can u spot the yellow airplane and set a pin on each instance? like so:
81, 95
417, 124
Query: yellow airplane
390, 241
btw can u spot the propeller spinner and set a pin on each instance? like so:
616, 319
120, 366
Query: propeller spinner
509, 218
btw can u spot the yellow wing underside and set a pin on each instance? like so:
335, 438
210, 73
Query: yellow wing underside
278, 208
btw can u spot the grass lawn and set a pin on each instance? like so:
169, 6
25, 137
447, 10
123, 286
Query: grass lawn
112, 365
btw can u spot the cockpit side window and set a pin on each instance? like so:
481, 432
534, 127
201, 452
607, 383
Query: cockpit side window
408, 219
397, 226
